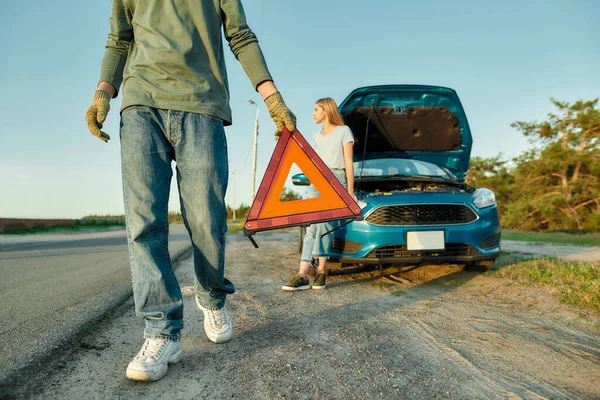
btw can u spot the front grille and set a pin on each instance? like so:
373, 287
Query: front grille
344, 246
422, 214
491, 242
400, 251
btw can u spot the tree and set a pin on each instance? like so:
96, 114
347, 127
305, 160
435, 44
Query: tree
240, 213
288, 195
175, 217
494, 174
557, 183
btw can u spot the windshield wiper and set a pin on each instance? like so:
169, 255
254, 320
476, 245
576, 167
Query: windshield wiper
426, 177
407, 177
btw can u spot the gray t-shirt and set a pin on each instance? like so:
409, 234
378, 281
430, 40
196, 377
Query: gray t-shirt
331, 147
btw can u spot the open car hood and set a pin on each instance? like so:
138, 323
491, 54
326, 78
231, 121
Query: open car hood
425, 123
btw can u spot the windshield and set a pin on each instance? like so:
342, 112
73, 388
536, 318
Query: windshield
398, 166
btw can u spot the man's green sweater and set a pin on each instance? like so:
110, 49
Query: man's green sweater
168, 54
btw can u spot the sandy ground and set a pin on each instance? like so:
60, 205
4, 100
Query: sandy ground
426, 332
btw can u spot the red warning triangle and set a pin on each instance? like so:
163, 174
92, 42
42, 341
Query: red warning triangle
268, 212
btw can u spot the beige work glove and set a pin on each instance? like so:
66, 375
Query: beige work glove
280, 114
96, 114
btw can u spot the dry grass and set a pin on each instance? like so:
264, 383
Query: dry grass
577, 282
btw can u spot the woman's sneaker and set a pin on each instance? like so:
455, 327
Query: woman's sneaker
151, 362
320, 282
298, 282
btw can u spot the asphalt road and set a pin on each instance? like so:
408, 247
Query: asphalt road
54, 284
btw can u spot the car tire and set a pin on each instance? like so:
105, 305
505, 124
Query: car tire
480, 266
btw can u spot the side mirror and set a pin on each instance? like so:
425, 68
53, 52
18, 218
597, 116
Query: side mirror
300, 180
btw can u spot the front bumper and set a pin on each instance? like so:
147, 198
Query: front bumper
415, 260
365, 243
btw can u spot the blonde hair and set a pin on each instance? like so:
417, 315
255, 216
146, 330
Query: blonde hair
331, 111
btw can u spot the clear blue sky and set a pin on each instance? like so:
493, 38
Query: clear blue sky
505, 60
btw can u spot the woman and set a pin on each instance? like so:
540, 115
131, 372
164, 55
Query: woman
334, 145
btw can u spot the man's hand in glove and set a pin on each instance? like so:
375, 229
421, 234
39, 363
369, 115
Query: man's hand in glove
96, 114
280, 113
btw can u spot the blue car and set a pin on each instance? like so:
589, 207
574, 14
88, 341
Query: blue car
411, 155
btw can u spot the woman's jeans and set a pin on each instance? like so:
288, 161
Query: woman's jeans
151, 139
314, 245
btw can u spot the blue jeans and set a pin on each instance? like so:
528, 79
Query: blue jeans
151, 139
314, 245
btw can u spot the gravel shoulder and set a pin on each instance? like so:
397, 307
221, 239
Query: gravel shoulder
431, 331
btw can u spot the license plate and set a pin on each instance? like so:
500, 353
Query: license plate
425, 240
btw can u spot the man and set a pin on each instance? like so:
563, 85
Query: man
168, 56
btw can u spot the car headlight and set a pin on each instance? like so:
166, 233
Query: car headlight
484, 198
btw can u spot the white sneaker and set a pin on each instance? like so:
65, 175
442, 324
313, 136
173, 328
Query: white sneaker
151, 363
217, 323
